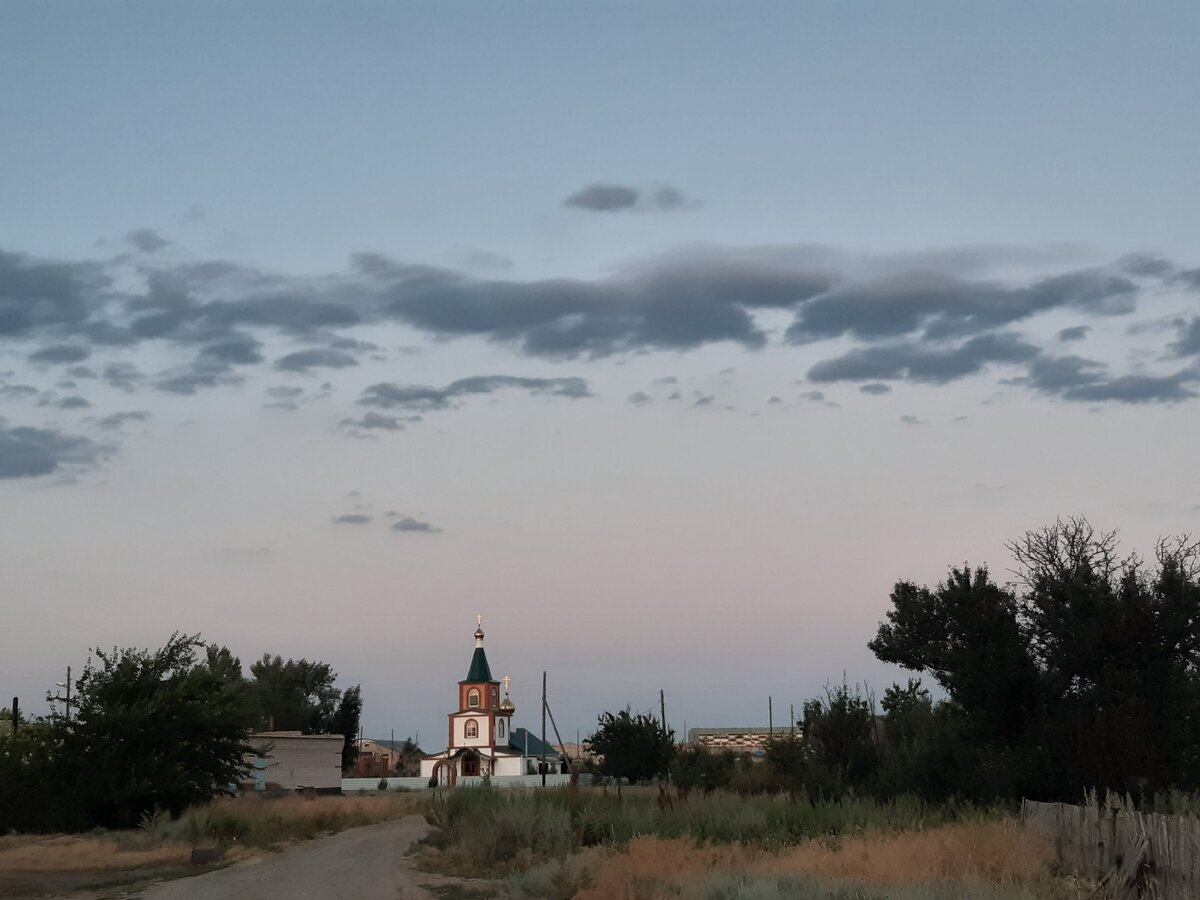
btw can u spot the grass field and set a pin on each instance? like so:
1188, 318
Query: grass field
596, 845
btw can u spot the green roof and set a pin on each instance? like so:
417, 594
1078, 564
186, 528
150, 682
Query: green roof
480, 670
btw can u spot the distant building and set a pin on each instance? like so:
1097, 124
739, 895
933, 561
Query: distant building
751, 740
291, 761
481, 737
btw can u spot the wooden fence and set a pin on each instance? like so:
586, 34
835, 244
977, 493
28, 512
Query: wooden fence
1135, 854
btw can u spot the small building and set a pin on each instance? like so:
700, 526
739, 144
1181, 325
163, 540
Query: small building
292, 761
481, 736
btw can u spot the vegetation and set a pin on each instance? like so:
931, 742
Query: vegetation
155, 731
638, 747
1082, 675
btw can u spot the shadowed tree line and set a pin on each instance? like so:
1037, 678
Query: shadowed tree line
160, 730
1082, 672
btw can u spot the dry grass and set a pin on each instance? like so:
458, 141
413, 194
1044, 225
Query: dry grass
240, 825
68, 853
986, 852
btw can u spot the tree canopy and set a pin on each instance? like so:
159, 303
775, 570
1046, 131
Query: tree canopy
636, 747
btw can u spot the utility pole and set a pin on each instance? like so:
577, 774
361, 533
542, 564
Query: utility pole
770, 719
67, 685
662, 707
792, 718
16, 714
542, 764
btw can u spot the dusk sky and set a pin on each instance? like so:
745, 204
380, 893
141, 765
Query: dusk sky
666, 336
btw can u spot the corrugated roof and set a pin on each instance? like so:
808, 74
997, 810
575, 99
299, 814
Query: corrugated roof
480, 670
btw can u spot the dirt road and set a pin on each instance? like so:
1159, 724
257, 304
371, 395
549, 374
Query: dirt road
362, 863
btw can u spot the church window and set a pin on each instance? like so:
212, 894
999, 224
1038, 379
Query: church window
472, 728
500, 728
473, 698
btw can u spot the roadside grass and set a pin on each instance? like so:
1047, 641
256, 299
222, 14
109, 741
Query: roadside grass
593, 844
996, 860
239, 826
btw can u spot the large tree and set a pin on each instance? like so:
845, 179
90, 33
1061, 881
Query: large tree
154, 730
636, 747
1085, 673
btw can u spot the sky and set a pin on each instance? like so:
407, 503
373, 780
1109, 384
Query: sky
667, 337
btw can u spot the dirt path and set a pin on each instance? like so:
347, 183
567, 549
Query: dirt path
360, 864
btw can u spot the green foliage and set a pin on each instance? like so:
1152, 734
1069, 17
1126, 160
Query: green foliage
299, 695
155, 730
637, 748
1086, 673
697, 768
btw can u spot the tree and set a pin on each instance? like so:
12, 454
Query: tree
839, 730
299, 695
698, 767
1083, 674
154, 730
637, 747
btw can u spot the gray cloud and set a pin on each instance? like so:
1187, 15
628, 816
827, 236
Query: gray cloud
409, 524
919, 362
73, 402
285, 391
19, 391
241, 351
875, 388
306, 360
424, 397
29, 452
1087, 380
114, 421
1189, 339
942, 306
603, 198
639, 398
1074, 333
61, 353
147, 240
372, 420
352, 519
912, 420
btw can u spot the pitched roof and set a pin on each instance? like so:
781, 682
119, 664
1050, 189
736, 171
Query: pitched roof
480, 670
536, 746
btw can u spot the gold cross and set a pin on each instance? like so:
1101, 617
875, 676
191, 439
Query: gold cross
479, 621
506, 680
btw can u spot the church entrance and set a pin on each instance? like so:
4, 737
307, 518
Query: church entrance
470, 764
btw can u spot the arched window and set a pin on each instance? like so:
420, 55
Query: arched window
499, 728
473, 698
472, 728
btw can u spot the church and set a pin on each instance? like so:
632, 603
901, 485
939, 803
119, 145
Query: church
482, 739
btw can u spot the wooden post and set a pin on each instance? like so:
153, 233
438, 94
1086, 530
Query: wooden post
16, 714
770, 719
542, 764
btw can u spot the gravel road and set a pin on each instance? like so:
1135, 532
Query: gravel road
360, 864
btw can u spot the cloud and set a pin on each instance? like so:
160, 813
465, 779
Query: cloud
1074, 333
409, 524
374, 421
919, 362
321, 358
603, 197
115, 421
146, 240
19, 391
29, 452
639, 398
944, 306
61, 353
875, 388
1189, 339
705, 400
813, 396
912, 420
424, 397
241, 351
73, 402
1079, 379
352, 519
